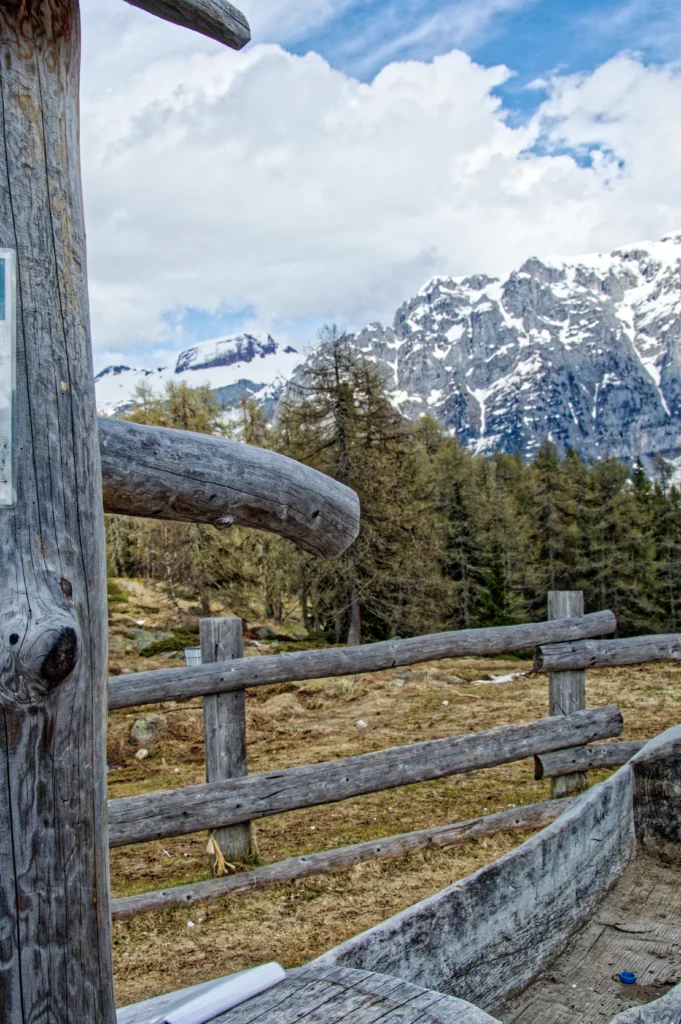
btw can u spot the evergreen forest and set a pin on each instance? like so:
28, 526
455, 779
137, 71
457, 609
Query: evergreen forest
449, 539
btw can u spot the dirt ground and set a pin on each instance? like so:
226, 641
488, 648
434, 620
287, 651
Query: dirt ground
318, 721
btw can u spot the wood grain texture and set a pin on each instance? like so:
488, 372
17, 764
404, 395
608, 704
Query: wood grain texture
657, 812
567, 690
593, 755
224, 728
55, 947
216, 19
342, 858
571, 655
184, 683
162, 473
139, 819
487, 936
329, 995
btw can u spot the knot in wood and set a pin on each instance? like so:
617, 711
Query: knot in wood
48, 655
61, 655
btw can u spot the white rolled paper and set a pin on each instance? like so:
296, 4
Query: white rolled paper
199, 1007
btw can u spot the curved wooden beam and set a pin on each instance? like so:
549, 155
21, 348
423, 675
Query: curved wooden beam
216, 19
161, 473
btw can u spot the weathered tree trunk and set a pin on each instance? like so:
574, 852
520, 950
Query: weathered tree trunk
631, 650
304, 600
578, 759
54, 907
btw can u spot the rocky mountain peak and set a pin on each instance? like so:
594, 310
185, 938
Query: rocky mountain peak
584, 351
242, 348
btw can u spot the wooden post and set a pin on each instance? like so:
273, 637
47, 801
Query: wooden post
567, 691
55, 940
224, 717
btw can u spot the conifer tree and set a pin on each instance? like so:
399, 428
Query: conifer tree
458, 503
552, 505
618, 548
503, 554
338, 418
448, 538
665, 515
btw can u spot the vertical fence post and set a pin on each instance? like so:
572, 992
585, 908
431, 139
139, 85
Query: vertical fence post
567, 692
224, 716
55, 929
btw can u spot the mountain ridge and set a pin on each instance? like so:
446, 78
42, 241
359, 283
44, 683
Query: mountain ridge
585, 351
235, 366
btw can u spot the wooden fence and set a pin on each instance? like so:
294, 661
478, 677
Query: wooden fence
222, 677
564, 744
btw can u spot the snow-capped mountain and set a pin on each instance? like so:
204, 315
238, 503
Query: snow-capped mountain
584, 351
245, 364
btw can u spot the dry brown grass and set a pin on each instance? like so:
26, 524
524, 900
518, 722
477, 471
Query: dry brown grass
316, 721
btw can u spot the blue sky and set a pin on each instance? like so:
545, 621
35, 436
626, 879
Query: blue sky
532, 37
357, 147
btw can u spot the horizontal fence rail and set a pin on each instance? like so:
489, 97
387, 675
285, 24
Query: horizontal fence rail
580, 759
140, 819
221, 677
533, 816
566, 656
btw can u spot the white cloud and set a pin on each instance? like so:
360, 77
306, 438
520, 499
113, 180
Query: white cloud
286, 20
651, 25
459, 24
120, 39
271, 183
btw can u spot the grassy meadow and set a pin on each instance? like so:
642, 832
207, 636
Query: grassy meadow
316, 721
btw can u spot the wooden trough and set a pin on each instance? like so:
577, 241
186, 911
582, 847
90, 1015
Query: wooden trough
538, 937
543, 933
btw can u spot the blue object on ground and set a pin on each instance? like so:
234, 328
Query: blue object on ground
628, 977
